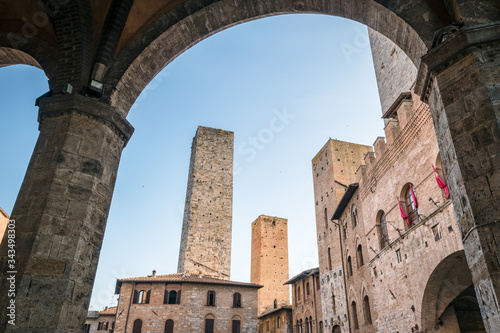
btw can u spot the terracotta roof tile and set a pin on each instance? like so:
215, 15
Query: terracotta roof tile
179, 277
111, 311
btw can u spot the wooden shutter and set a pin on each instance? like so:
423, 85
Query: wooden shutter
148, 296
236, 326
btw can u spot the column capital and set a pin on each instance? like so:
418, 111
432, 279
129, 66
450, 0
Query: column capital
446, 53
59, 105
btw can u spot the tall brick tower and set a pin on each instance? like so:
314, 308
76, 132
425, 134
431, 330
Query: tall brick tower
270, 261
206, 231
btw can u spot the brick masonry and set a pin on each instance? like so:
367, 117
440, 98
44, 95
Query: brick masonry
190, 314
206, 229
269, 264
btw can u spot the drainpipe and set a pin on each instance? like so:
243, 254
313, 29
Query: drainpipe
129, 305
345, 281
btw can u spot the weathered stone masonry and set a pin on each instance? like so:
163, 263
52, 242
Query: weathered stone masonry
206, 230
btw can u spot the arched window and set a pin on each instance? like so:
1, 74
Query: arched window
354, 216
169, 326
209, 323
320, 327
211, 298
307, 325
411, 205
236, 324
384, 236
276, 304
310, 325
236, 300
308, 289
329, 259
172, 297
300, 326
137, 328
298, 293
317, 283
354, 315
349, 266
141, 297
359, 256
366, 310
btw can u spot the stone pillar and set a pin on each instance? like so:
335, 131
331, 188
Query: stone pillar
459, 78
61, 214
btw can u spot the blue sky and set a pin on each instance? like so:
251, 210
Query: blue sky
283, 84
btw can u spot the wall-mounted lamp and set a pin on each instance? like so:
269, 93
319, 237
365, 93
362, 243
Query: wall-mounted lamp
96, 88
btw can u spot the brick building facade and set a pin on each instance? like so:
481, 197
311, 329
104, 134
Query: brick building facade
100, 321
306, 302
269, 268
279, 320
4, 221
185, 304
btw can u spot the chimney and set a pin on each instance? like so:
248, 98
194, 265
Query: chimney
154, 273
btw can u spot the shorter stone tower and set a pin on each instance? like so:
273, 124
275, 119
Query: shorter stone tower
270, 261
206, 231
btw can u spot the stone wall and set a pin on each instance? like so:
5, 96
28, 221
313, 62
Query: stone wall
188, 316
395, 72
269, 265
206, 231
334, 168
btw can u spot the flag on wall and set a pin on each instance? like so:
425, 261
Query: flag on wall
403, 214
442, 185
413, 196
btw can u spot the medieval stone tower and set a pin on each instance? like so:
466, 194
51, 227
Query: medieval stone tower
270, 261
334, 169
206, 231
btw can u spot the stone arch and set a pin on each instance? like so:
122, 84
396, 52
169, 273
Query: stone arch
189, 23
447, 281
34, 52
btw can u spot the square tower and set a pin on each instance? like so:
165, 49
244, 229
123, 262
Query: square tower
270, 261
206, 230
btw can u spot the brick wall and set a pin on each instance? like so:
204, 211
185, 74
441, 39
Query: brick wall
270, 261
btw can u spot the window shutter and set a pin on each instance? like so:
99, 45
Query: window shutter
178, 300
136, 297
236, 326
148, 296
209, 326
165, 297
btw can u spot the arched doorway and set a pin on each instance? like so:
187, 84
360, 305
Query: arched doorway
449, 302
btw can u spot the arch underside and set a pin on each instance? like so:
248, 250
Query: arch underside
449, 285
170, 35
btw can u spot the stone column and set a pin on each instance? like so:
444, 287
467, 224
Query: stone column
61, 214
460, 79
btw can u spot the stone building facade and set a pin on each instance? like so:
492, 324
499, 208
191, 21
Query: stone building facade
100, 321
400, 246
206, 230
306, 302
183, 303
334, 169
269, 263
108, 51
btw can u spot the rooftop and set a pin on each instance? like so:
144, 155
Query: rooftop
184, 278
303, 275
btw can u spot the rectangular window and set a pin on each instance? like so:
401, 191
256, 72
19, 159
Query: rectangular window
86, 328
436, 232
398, 255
